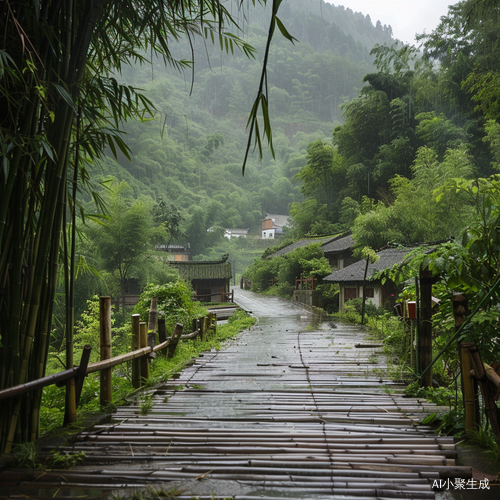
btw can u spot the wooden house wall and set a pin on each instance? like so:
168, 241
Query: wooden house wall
217, 288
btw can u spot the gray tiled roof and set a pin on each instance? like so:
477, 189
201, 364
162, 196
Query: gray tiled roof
356, 271
298, 244
203, 270
338, 244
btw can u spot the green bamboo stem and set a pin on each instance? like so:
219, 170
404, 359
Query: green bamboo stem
45, 237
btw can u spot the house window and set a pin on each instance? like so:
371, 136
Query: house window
349, 294
370, 293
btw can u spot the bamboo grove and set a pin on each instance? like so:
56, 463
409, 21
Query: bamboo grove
61, 107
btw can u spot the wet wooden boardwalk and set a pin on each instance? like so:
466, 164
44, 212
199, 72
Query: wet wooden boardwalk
291, 409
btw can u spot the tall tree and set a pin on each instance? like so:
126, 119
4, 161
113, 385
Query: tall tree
125, 240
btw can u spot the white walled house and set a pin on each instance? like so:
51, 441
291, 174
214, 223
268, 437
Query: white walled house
235, 233
273, 224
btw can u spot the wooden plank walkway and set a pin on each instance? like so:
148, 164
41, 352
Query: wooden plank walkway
285, 411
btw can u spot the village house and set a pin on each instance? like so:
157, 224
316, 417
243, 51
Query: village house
235, 233
210, 280
338, 251
351, 278
273, 224
175, 252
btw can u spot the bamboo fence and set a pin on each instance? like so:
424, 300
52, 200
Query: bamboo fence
143, 348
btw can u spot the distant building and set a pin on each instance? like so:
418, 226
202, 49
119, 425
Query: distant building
176, 253
273, 224
210, 279
235, 233
350, 279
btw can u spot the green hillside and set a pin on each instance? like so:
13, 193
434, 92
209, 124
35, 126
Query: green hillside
191, 153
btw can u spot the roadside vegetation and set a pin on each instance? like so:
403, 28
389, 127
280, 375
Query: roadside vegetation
415, 163
175, 300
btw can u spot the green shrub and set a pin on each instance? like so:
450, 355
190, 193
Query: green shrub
350, 314
284, 290
370, 308
174, 301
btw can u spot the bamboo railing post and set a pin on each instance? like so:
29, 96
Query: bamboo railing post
487, 389
200, 328
209, 324
162, 332
70, 403
153, 316
469, 395
82, 372
75, 389
469, 391
144, 360
214, 324
105, 334
136, 344
425, 338
174, 340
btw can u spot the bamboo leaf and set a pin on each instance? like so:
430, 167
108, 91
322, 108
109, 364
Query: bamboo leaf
63, 93
284, 31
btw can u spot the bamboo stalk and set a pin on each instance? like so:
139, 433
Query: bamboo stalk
492, 375
425, 339
486, 389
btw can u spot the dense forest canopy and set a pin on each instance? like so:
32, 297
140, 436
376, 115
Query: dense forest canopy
191, 154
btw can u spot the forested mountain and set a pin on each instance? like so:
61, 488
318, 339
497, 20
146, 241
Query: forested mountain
424, 117
191, 154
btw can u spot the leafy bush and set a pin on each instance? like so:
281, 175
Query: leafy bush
284, 290
370, 308
281, 271
240, 319
330, 297
174, 301
442, 396
350, 314
448, 423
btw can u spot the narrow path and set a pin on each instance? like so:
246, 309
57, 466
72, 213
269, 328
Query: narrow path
294, 408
